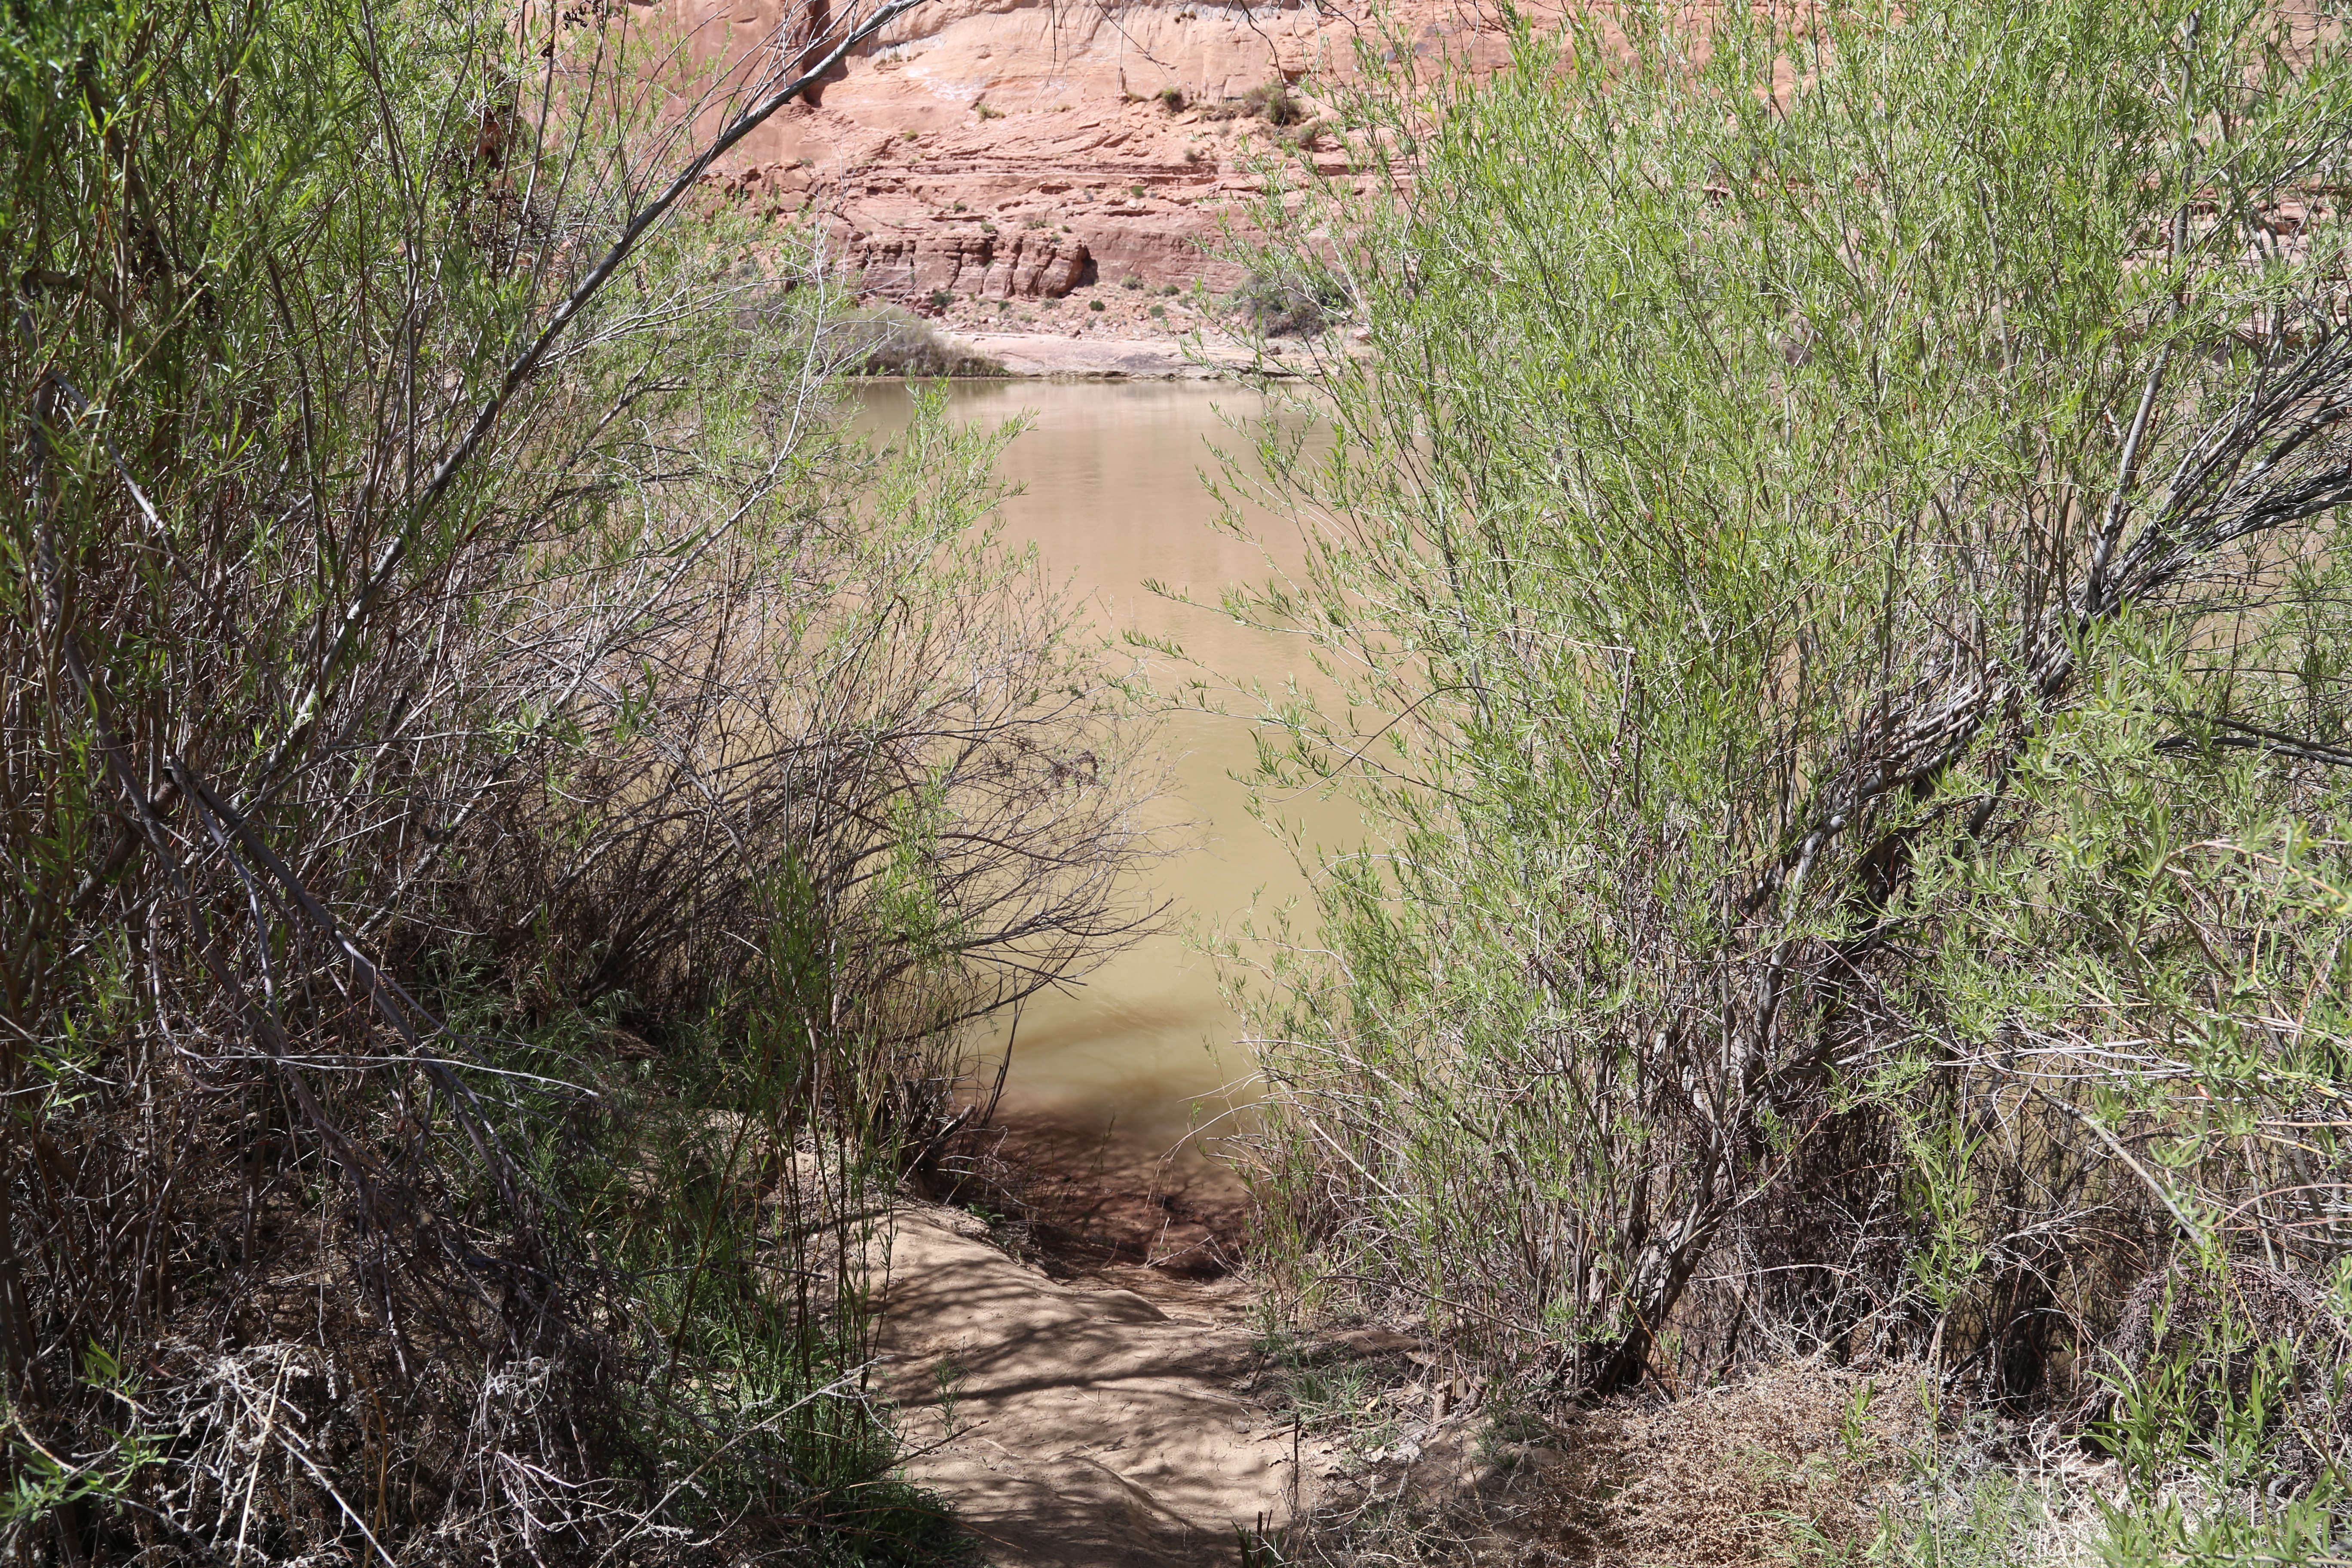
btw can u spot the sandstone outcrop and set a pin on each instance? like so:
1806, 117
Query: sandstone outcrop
996, 152
1015, 267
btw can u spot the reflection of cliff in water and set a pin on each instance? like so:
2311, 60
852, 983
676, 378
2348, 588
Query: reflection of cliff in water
1145, 1048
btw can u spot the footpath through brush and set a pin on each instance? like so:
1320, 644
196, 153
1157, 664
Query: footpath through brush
1077, 1423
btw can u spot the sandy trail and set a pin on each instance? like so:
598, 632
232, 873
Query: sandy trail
1081, 1424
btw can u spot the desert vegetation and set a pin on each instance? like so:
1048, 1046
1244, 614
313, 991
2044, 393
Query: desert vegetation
507, 805
884, 340
1829, 587
1826, 584
1270, 101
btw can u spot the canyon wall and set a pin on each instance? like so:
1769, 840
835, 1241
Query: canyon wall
985, 149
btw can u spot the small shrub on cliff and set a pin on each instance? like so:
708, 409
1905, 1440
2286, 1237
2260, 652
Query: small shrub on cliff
1271, 101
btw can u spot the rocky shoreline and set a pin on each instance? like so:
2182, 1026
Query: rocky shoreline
1046, 356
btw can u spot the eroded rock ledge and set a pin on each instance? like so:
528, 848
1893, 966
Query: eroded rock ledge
998, 153
1014, 266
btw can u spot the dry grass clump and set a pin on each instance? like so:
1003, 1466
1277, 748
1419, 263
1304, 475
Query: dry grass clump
1797, 1460
2227, 1322
1730, 1476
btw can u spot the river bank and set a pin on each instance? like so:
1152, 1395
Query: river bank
1082, 355
1050, 356
1075, 1420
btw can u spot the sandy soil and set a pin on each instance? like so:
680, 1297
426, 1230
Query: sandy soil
1077, 1424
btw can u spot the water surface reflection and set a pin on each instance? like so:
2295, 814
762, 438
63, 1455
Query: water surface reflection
1112, 496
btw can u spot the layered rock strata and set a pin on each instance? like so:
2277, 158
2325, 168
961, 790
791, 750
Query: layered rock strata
1015, 267
996, 152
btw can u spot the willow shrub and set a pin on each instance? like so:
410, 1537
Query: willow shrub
498, 842
1827, 591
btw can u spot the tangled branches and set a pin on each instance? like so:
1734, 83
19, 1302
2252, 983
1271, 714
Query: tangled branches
505, 807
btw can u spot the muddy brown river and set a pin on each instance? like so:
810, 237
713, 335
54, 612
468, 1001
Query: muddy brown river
1145, 1053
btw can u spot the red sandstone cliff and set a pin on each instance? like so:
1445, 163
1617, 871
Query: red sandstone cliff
984, 156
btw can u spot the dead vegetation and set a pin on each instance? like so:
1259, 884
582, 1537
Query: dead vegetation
506, 810
1795, 1465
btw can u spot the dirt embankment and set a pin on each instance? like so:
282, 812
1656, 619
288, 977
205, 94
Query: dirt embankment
1076, 1421
1087, 1378
1076, 1360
